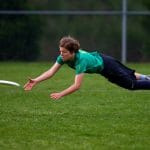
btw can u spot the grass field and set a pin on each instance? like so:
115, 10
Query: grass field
101, 116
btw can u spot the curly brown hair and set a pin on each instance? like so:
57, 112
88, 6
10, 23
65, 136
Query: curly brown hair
70, 43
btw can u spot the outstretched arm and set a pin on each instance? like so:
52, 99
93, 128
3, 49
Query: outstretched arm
46, 75
74, 87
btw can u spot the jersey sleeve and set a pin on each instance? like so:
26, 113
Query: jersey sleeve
59, 60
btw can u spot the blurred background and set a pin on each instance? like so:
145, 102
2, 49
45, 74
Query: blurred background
31, 29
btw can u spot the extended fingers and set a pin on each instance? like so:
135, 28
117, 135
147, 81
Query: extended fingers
55, 96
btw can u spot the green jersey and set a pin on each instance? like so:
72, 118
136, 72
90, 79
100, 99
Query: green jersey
84, 62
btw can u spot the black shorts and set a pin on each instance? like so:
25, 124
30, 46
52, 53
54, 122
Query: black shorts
117, 73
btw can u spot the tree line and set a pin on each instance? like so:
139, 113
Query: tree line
34, 37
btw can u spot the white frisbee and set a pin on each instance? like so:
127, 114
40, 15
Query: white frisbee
9, 83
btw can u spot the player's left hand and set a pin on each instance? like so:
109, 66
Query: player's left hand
55, 96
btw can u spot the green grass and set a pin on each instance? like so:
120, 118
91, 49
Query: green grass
101, 116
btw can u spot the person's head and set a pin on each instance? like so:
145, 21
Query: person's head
69, 43
68, 47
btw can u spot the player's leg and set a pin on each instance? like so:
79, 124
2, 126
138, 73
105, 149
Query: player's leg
129, 82
142, 85
119, 74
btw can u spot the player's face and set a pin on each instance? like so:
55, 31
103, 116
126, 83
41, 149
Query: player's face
66, 55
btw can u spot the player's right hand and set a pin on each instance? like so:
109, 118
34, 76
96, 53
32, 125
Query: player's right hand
30, 84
